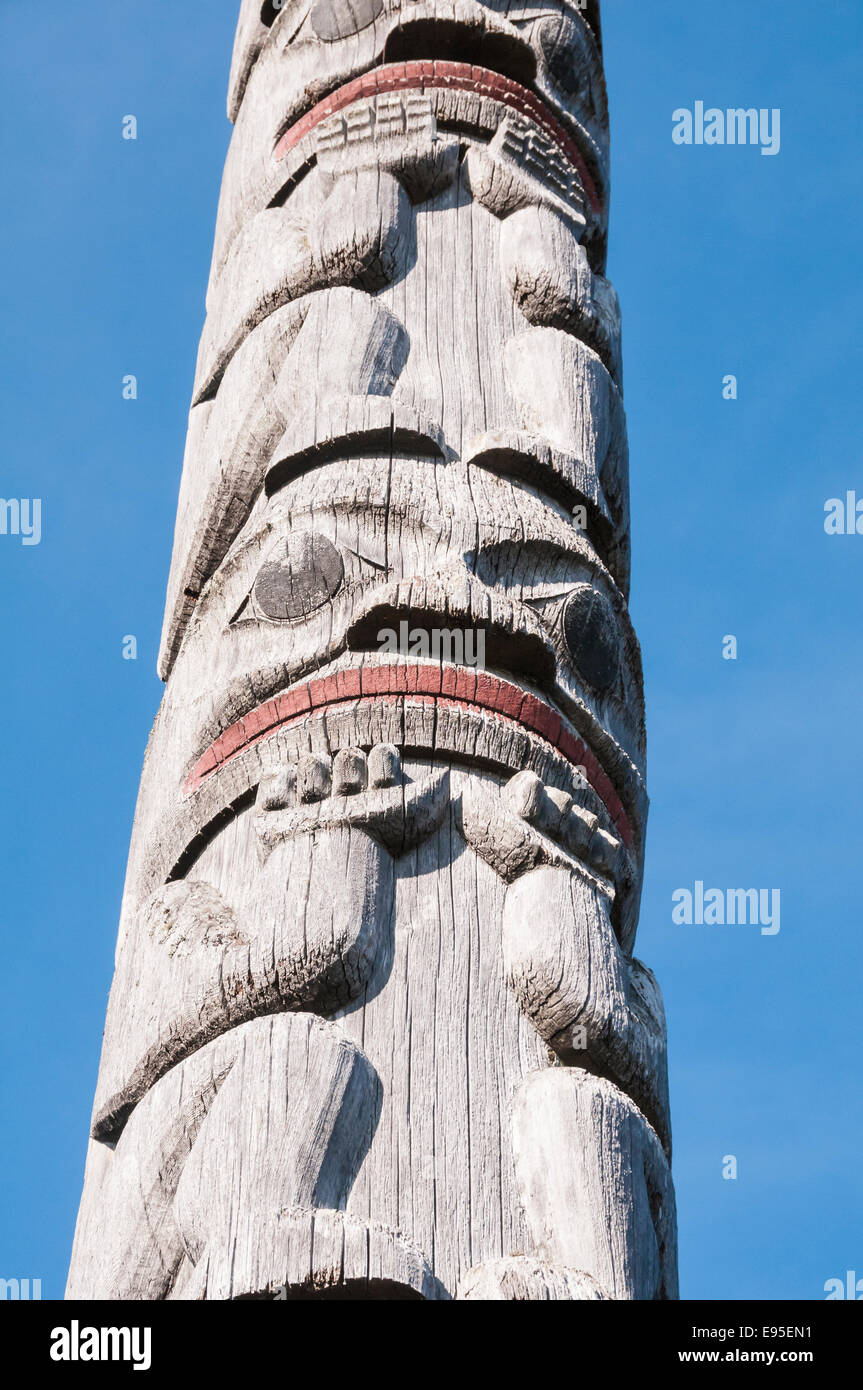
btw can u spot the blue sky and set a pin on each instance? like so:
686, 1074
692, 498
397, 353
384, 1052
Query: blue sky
726, 261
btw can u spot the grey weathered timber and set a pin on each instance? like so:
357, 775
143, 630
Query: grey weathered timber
376, 1029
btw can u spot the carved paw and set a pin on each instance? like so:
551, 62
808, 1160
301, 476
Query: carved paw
366, 792
328, 829
553, 813
394, 132
528, 824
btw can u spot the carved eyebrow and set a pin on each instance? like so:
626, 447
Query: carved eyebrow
391, 439
524, 14
537, 547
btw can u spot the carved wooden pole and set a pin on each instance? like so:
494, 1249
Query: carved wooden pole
376, 1029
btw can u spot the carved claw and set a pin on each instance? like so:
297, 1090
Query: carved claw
503, 182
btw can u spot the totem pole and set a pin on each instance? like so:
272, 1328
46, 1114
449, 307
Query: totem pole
376, 1030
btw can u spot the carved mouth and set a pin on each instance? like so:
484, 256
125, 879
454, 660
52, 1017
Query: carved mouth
429, 74
439, 685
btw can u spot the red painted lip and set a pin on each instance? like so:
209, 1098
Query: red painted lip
449, 686
429, 74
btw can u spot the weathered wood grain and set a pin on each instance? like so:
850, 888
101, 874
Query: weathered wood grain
376, 1028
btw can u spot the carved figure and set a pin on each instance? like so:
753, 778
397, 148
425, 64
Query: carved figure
376, 1029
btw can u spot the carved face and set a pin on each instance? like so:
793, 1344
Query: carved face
341, 67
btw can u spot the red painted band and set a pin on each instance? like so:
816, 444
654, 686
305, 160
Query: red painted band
429, 74
450, 686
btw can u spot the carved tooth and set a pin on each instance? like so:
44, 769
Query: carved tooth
313, 778
385, 765
349, 772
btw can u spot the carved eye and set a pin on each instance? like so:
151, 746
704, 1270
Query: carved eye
307, 573
568, 58
590, 632
338, 19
